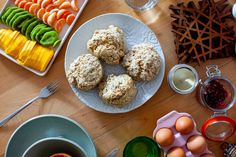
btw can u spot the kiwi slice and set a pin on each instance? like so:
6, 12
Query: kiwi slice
6, 13
56, 43
12, 14
36, 30
41, 32
26, 24
20, 19
22, 23
30, 28
16, 16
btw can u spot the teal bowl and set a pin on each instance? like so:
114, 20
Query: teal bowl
142, 147
48, 126
54, 145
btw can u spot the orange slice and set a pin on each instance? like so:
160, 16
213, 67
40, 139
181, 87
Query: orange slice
45, 3
54, 10
34, 8
40, 13
27, 6
22, 4
52, 19
39, 2
63, 13
65, 5
58, 2
75, 5
70, 18
45, 17
50, 7
17, 2
59, 25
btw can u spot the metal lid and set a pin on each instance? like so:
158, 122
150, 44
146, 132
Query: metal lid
183, 78
219, 128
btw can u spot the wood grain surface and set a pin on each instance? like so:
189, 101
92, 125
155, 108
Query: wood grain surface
18, 85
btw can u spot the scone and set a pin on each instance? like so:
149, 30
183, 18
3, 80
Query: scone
117, 90
142, 62
85, 72
107, 44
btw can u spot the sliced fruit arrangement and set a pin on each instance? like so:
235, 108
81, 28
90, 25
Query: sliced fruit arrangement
30, 26
55, 13
26, 52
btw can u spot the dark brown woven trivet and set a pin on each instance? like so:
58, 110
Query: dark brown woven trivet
201, 30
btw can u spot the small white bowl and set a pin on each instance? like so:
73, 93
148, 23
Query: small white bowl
53, 145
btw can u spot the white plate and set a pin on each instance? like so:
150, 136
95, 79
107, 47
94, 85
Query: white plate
135, 32
63, 35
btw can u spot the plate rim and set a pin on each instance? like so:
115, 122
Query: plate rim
99, 16
45, 116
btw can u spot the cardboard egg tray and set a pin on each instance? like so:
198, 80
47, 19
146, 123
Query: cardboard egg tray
180, 140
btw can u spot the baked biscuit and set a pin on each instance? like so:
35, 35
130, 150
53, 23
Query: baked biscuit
85, 72
107, 44
117, 90
142, 62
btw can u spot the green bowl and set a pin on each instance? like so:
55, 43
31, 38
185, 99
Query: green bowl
142, 147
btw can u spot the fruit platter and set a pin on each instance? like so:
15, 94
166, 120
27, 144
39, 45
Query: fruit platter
33, 31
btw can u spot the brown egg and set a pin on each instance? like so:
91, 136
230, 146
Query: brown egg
207, 155
176, 152
164, 137
196, 144
184, 125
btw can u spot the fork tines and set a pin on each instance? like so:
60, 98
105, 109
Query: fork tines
52, 87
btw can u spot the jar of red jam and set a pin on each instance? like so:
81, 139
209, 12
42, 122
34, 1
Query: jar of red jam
218, 94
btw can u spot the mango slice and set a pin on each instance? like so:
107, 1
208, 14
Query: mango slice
26, 52
16, 46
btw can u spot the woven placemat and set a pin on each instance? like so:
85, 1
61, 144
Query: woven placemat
201, 30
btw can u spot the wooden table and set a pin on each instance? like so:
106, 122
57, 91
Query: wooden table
18, 85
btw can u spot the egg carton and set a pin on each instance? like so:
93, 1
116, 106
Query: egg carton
180, 140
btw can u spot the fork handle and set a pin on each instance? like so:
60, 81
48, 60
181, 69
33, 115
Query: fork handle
6, 119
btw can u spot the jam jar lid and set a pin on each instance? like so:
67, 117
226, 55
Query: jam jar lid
219, 128
183, 78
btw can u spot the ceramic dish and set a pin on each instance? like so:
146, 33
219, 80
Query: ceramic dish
62, 35
46, 126
135, 32
54, 145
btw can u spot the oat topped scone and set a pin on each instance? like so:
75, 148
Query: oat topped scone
117, 90
85, 72
142, 62
107, 44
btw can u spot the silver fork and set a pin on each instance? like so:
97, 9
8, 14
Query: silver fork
113, 153
44, 93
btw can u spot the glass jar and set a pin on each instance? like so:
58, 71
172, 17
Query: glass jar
218, 94
141, 5
183, 79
